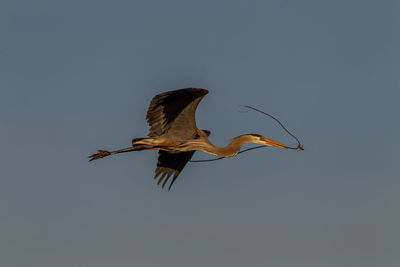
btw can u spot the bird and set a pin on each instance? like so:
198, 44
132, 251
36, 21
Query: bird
174, 133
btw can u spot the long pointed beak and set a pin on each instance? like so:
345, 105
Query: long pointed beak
270, 142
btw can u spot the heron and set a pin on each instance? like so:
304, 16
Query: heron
173, 132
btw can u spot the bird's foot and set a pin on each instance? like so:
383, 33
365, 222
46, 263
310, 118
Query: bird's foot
101, 154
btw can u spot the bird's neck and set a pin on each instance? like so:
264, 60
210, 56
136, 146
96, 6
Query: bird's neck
230, 150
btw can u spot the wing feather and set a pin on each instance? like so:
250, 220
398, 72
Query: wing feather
173, 113
171, 164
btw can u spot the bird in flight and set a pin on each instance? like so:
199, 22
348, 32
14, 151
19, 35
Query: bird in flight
173, 132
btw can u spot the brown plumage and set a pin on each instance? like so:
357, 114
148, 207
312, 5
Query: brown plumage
173, 131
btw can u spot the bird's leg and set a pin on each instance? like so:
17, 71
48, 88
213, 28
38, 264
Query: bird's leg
137, 145
151, 143
99, 155
105, 153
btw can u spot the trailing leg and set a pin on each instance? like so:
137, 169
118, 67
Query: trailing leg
105, 153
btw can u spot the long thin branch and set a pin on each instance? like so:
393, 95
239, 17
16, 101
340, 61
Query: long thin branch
299, 145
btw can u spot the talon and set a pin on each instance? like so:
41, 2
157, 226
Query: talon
101, 154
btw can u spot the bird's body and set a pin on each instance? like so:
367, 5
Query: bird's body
173, 131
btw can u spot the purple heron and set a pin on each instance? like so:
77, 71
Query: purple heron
173, 131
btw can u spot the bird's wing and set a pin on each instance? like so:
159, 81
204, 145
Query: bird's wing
171, 164
173, 113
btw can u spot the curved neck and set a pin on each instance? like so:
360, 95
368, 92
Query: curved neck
230, 150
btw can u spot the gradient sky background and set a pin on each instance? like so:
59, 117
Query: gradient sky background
77, 76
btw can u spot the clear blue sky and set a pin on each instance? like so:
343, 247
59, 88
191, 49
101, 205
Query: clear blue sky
77, 76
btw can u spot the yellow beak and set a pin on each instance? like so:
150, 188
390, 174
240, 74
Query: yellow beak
270, 142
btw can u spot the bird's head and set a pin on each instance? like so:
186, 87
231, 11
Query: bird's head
262, 140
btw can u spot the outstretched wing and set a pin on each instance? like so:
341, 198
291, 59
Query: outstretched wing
173, 113
171, 164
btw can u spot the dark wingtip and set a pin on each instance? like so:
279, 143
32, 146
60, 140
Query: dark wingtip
203, 90
173, 181
165, 181
161, 178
